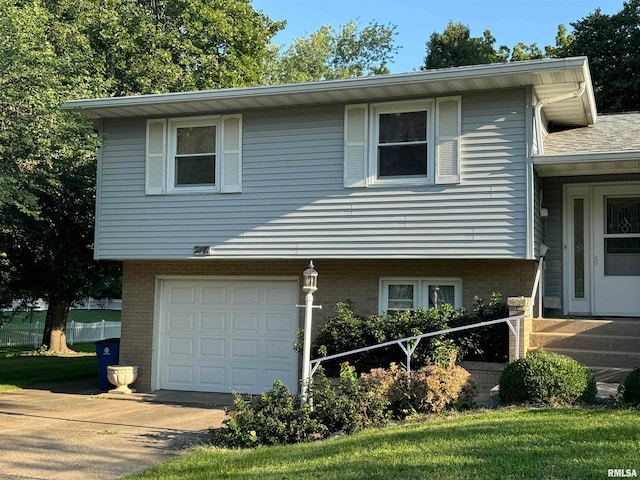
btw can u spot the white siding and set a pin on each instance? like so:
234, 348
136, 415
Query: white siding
294, 203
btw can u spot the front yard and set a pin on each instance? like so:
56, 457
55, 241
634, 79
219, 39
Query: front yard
572, 443
18, 371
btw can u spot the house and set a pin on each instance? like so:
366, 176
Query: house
405, 190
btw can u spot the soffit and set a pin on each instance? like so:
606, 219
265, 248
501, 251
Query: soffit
548, 78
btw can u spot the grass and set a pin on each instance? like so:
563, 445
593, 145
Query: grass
84, 316
506, 444
19, 371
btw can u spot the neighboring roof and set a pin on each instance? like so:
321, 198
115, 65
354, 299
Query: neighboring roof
610, 146
612, 133
549, 78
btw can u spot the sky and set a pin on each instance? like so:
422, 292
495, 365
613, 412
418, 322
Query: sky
510, 21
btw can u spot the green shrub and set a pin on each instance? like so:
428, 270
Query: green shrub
350, 407
547, 378
347, 331
273, 418
431, 389
630, 388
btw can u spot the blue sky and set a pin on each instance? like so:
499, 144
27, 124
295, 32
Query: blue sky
510, 21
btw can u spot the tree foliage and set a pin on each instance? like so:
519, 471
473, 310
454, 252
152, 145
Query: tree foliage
612, 44
329, 54
52, 51
455, 47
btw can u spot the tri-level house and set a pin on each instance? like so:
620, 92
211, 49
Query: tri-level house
406, 190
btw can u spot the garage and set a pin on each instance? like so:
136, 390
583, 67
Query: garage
222, 335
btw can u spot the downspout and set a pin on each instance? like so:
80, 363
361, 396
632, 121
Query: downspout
565, 96
582, 88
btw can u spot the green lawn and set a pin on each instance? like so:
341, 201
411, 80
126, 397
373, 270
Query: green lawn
85, 316
27, 371
502, 444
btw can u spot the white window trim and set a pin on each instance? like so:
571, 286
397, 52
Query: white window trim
401, 107
420, 288
174, 124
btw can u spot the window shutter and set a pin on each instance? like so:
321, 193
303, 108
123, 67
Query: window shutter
231, 154
448, 134
355, 145
156, 159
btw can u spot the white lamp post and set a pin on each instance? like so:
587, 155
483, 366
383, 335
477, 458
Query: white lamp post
310, 286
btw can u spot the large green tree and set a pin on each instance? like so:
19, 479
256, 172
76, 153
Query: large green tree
612, 44
455, 47
329, 53
52, 51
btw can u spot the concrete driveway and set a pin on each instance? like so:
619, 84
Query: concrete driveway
70, 432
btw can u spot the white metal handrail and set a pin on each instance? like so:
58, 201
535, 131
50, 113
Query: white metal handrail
409, 344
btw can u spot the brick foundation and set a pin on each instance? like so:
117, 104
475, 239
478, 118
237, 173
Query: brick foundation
357, 280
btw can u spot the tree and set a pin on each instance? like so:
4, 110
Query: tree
47, 246
52, 51
456, 47
612, 44
330, 54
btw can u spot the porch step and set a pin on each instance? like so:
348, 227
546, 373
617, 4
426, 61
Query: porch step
584, 341
592, 358
624, 327
610, 347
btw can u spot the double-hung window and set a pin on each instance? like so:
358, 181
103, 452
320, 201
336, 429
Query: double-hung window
402, 145
411, 142
194, 155
400, 294
193, 162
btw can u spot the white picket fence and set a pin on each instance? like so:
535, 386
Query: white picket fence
30, 334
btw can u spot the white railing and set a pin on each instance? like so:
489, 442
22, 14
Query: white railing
409, 344
30, 334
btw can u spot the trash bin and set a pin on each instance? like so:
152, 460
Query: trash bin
108, 352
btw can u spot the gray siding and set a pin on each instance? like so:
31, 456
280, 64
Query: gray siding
293, 202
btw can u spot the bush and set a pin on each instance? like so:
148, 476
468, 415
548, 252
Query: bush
350, 407
630, 388
547, 378
431, 389
347, 331
273, 418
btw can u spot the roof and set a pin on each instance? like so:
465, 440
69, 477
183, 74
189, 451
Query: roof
610, 146
549, 78
613, 133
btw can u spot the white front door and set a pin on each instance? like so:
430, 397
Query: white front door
221, 335
602, 249
616, 255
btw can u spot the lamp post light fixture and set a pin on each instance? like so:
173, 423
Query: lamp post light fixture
310, 286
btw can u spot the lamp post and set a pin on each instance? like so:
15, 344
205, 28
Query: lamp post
310, 286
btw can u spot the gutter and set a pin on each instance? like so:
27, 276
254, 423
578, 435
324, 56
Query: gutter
542, 103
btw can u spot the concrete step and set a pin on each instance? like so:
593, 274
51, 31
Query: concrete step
585, 341
593, 359
610, 375
617, 326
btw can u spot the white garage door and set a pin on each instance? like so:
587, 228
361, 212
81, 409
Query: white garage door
223, 335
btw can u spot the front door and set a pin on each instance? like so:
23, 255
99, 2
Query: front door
616, 256
602, 249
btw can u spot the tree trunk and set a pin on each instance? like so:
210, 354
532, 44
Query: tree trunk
55, 336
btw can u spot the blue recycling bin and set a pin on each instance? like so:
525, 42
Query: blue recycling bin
108, 352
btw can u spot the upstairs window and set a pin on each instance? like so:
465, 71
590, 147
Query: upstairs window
194, 154
401, 149
413, 142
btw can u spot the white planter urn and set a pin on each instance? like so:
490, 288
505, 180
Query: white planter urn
122, 376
